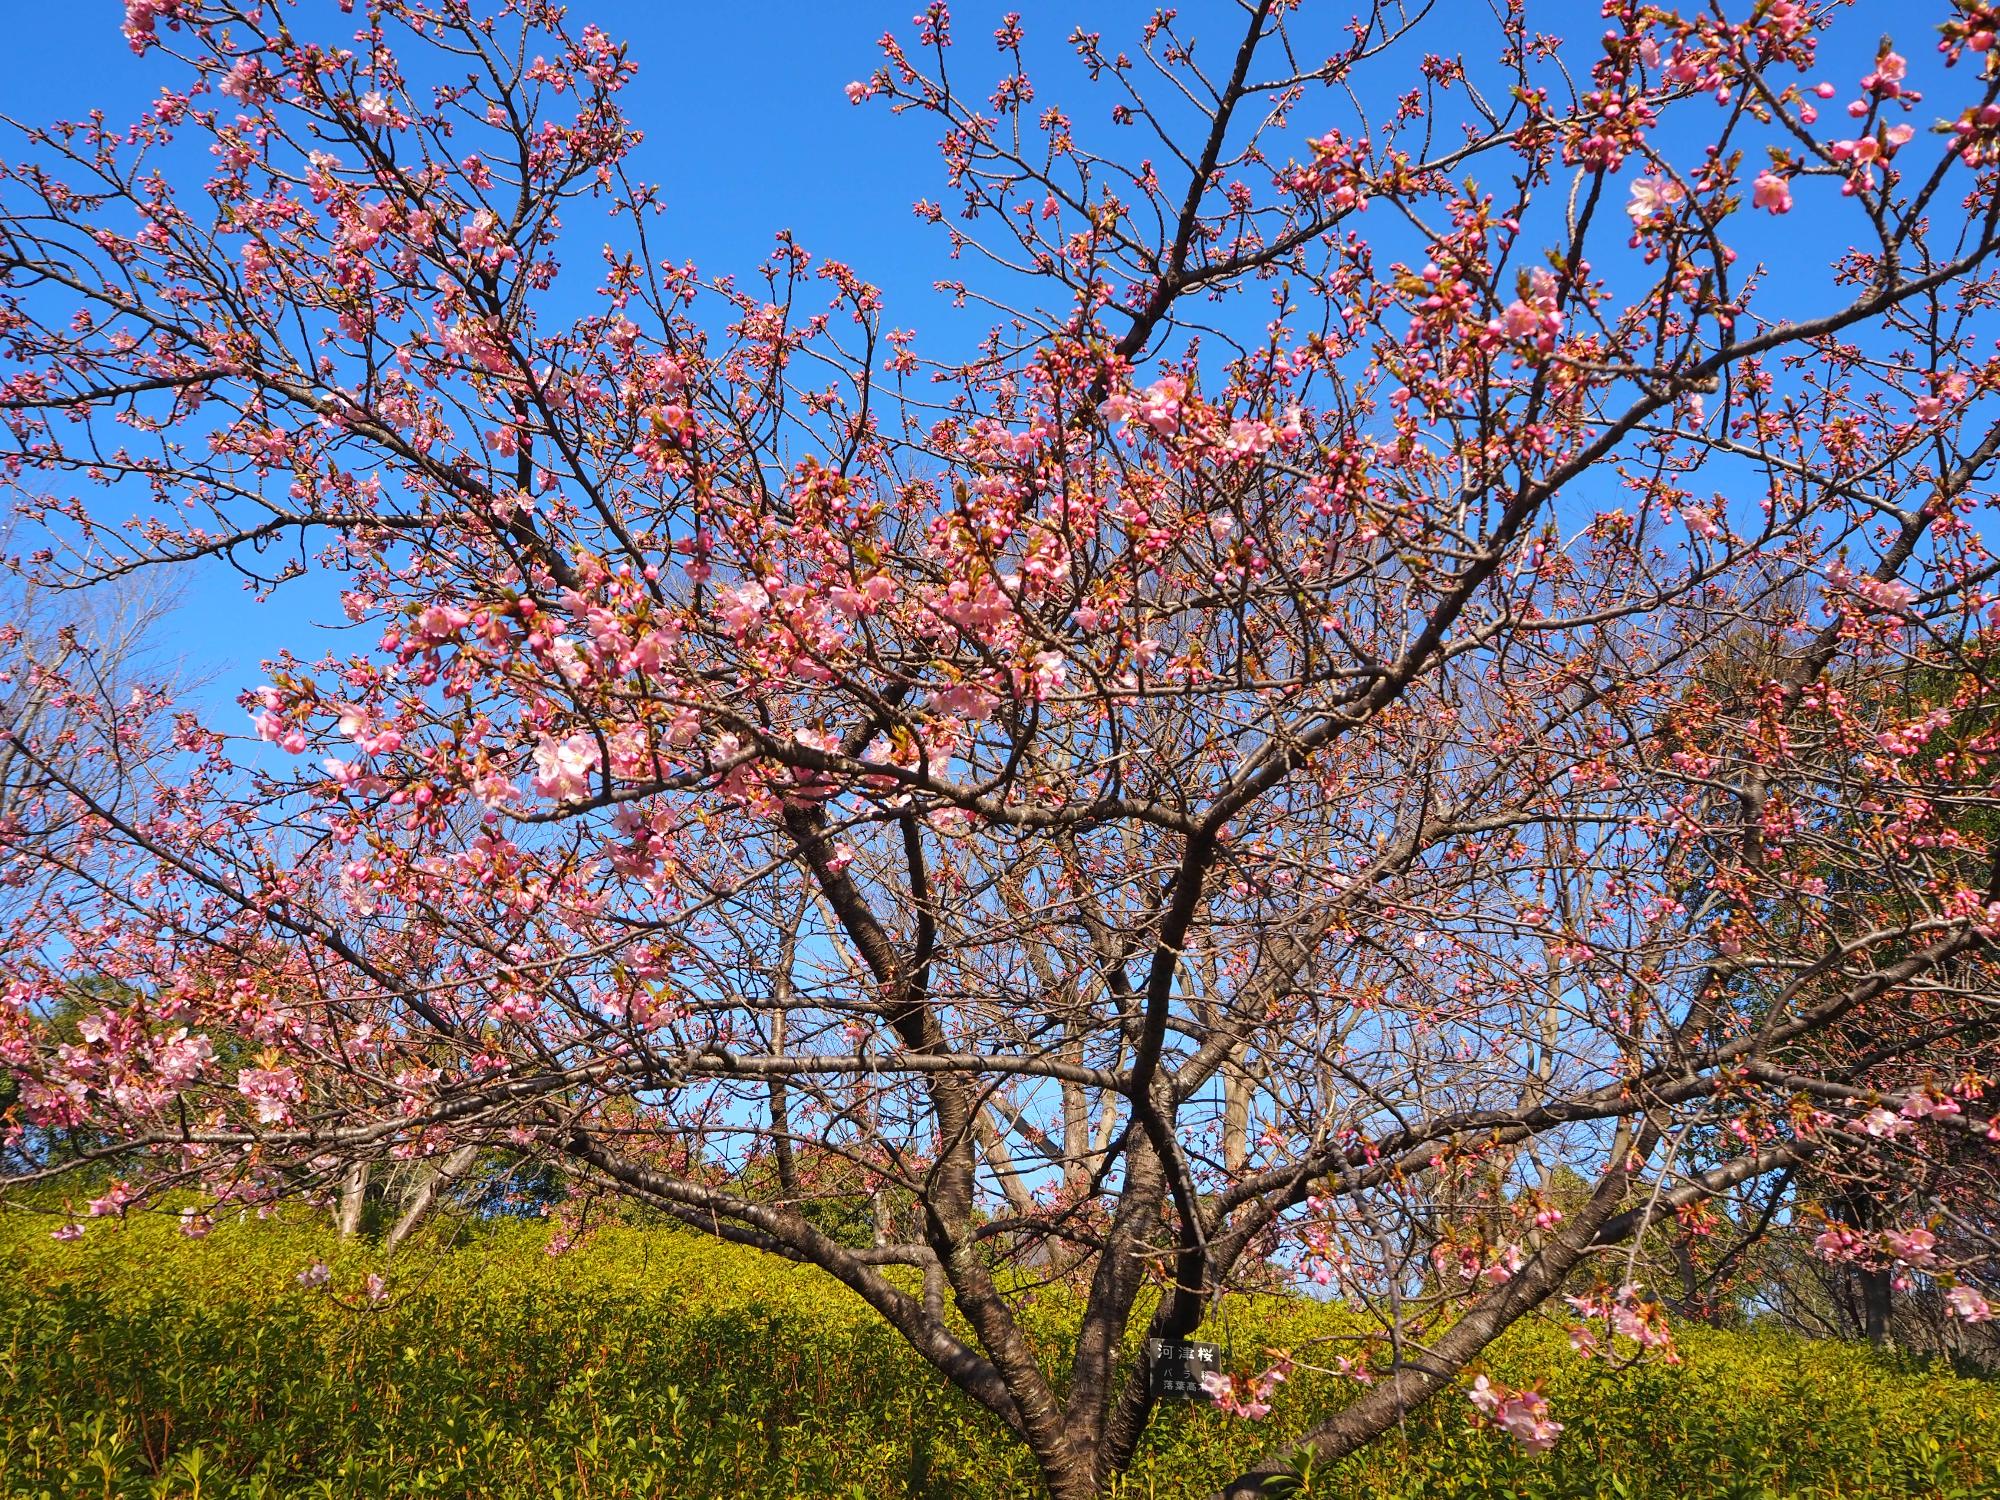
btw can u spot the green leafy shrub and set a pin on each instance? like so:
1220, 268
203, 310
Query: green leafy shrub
654, 1363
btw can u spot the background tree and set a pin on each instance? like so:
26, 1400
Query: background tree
1206, 787
64, 656
1942, 733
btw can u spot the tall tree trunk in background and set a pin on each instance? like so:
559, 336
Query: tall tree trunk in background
418, 1205
353, 1195
1863, 1213
1236, 1090
781, 1107
1012, 1181
1875, 1306
781, 1103
1076, 1131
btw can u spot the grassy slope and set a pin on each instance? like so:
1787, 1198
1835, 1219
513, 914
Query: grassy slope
654, 1364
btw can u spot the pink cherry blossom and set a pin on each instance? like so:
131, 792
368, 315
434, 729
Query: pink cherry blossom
1120, 406
563, 767
1505, 1267
1160, 404
1772, 192
272, 1090
1925, 1105
1916, 1247
1522, 1415
1653, 200
179, 1058
1247, 1396
1879, 1123
112, 1201
1965, 1303
143, 17
1838, 1242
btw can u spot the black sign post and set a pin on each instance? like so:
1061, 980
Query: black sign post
1176, 1368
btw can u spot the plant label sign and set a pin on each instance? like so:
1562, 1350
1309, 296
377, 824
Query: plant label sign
1177, 1368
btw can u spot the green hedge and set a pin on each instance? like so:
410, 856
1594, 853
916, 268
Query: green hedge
651, 1363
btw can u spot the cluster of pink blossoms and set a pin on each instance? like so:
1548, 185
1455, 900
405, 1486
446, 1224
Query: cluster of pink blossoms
1913, 1248
1908, 1247
1924, 1104
1336, 173
1652, 201
273, 1090
1862, 153
1493, 1265
1326, 1257
1535, 318
143, 17
1627, 1316
112, 1202
1963, 1302
563, 767
1244, 1395
1522, 1415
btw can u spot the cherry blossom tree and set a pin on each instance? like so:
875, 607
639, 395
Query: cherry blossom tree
1225, 783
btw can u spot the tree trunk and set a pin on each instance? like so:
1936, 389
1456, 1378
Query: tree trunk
353, 1195
781, 1108
420, 1202
1001, 1162
1235, 1116
1076, 1130
1875, 1291
1861, 1211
